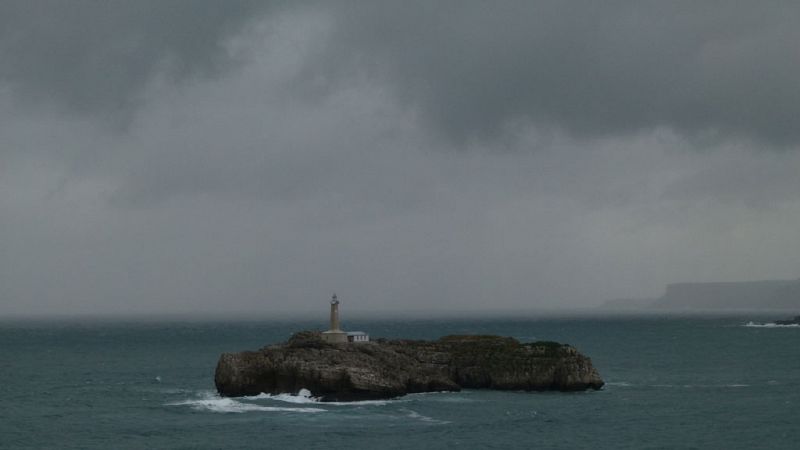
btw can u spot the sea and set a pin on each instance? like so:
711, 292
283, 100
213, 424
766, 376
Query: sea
671, 383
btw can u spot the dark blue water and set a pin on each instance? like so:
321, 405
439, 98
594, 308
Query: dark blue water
672, 383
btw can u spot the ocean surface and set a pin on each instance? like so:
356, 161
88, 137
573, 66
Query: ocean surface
677, 383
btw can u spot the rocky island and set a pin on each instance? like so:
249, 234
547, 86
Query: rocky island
390, 368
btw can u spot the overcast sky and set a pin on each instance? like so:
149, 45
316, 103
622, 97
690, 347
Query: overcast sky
237, 156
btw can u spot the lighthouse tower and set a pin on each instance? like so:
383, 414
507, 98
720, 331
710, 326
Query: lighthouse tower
334, 313
335, 335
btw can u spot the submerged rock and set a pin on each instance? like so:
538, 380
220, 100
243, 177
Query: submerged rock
386, 369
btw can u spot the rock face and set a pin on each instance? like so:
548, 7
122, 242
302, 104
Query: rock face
795, 321
740, 295
386, 369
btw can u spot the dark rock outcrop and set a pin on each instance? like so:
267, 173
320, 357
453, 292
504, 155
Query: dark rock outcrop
795, 321
386, 369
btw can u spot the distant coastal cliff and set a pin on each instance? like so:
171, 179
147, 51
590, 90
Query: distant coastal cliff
386, 369
719, 296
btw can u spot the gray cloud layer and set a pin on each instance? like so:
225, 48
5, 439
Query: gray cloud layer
591, 68
97, 56
446, 155
473, 68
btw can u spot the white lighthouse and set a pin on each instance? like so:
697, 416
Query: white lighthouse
335, 335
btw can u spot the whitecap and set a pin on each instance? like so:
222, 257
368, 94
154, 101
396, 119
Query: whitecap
752, 324
417, 416
365, 402
618, 383
304, 396
219, 404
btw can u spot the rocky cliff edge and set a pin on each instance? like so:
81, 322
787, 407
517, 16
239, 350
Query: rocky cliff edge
387, 369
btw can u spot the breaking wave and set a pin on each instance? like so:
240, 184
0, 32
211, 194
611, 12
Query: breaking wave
304, 397
211, 401
752, 324
215, 403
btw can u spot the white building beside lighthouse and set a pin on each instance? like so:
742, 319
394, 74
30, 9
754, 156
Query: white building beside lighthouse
335, 335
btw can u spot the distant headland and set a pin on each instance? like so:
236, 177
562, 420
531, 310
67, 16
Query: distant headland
338, 366
768, 295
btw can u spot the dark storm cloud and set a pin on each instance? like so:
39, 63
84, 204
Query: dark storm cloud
591, 68
473, 68
95, 57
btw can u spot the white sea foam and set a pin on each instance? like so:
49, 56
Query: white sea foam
415, 415
304, 397
215, 403
770, 325
364, 403
618, 383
